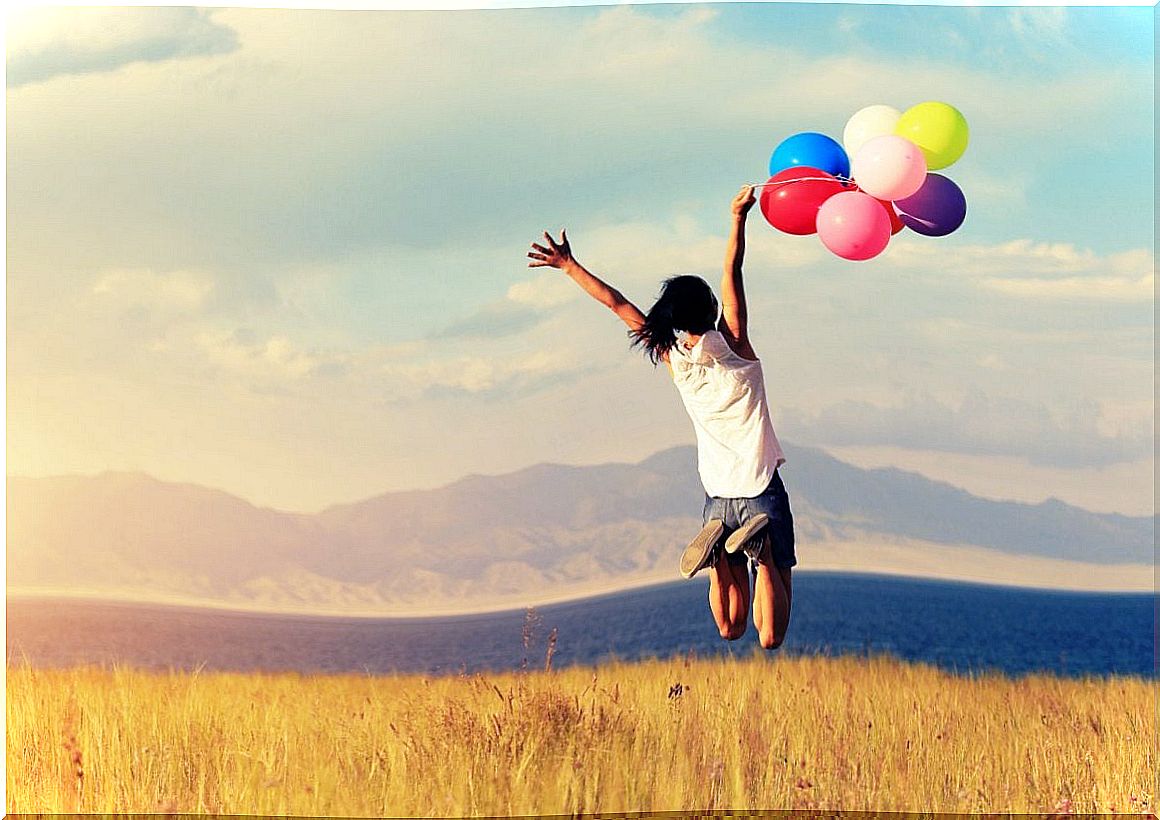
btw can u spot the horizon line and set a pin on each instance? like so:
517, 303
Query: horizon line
508, 606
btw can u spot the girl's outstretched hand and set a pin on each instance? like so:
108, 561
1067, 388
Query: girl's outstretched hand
556, 255
743, 201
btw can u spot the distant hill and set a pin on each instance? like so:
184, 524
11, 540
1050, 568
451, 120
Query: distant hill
493, 538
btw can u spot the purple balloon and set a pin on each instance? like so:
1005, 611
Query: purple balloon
935, 209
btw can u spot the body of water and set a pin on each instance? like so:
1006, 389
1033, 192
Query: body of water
958, 626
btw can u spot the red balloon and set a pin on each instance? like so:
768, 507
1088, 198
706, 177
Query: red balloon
791, 204
896, 223
895, 220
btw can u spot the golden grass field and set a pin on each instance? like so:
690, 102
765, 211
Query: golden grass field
762, 733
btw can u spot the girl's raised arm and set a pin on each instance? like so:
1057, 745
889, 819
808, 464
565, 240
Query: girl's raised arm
734, 323
559, 255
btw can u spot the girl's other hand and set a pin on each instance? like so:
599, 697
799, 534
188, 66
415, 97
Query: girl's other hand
556, 255
743, 201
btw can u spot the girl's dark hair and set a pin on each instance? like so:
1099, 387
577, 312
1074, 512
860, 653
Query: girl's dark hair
685, 303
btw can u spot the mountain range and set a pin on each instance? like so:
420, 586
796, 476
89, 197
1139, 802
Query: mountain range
544, 532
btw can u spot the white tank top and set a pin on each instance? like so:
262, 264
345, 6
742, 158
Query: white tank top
724, 395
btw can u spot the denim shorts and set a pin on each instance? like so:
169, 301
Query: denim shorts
774, 502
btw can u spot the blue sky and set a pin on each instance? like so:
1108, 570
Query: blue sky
281, 252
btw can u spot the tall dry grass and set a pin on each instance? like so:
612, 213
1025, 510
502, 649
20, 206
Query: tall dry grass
806, 732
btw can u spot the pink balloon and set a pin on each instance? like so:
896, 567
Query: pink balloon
889, 167
853, 225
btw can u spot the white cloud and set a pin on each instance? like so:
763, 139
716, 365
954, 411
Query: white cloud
1059, 435
494, 375
503, 318
266, 362
826, 92
173, 290
993, 361
397, 373
548, 290
1028, 269
633, 46
1111, 288
46, 42
1045, 27
525, 305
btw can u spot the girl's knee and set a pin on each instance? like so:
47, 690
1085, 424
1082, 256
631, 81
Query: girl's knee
771, 639
732, 632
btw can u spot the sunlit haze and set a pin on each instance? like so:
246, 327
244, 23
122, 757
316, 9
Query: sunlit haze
281, 252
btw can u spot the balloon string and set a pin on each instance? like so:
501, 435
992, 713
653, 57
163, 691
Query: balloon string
843, 180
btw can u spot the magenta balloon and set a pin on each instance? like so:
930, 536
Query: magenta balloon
936, 209
853, 225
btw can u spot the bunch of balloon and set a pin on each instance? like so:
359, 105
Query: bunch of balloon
857, 196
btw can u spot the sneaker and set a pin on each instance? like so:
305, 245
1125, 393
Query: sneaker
699, 553
745, 533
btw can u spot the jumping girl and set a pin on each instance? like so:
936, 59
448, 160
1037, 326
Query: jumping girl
720, 381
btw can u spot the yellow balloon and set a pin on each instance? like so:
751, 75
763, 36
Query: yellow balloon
940, 130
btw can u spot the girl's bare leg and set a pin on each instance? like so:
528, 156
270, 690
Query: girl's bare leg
739, 611
772, 596
728, 600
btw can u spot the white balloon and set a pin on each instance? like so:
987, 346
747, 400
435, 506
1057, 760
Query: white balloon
889, 167
872, 121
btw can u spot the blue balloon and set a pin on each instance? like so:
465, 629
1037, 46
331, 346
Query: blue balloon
812, 149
